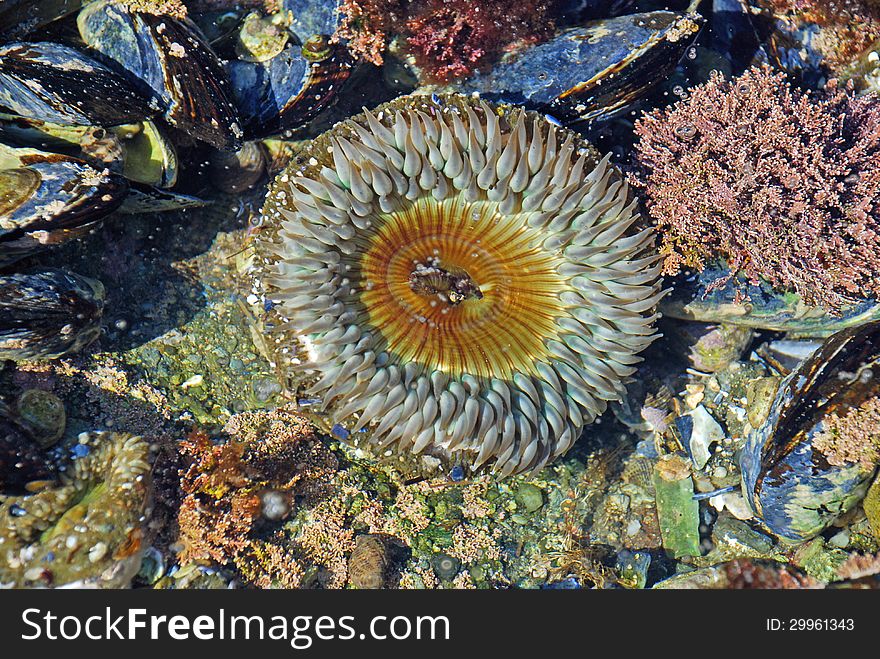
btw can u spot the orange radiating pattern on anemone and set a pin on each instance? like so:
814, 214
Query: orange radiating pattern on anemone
495, 336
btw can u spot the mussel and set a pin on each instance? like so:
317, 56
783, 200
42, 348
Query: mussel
290, 89
48, 198
715, 295
813, 457
171, 56
47, 314
19, 17
592, 72
55, 83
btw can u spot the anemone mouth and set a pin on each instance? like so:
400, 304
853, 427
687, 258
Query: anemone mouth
415, 267
467, 277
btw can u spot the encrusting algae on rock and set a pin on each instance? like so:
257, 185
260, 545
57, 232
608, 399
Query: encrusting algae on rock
460, 278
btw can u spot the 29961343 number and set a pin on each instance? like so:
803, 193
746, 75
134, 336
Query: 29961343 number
821, 624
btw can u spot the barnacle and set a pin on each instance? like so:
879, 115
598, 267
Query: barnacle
464, 278
85, 529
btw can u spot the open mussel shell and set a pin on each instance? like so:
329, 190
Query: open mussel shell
55, 83
142, 152
291, 89
794, 480
592, 72
24, 131
695, 296
47, 314
149, 156
48, 198
174, 59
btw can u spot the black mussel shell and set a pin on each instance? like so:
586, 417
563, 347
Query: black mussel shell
57, 84
788, 480
48, 198
47, 314
174, 59
593, 72
20, 17
717, 295
148, 199
21, 460
289, 90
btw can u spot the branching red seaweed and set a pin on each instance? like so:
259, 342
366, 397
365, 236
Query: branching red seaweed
782, 184
453, 38
367, 26
449, 38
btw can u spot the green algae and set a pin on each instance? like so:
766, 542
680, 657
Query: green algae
676, 508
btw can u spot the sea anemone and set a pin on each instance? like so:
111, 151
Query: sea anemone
85, 528
463, 277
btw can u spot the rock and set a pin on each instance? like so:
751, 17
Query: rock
529, 497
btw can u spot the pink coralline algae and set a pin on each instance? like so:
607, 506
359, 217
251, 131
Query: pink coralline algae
782, 184
452, 38
448, 38
367, 25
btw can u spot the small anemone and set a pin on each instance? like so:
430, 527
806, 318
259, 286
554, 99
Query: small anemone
462, 277
86, 527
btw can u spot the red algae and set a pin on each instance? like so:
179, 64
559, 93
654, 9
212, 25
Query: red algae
449, 39
223, 518
847, 27
367, 26
453, 38
782, 184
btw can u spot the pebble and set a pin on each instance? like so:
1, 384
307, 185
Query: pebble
194, 381
276, 505
529, 497
97, 552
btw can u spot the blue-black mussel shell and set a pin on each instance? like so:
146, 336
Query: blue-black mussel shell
48, 313
174, 59
58, 84
789, 482
592, 72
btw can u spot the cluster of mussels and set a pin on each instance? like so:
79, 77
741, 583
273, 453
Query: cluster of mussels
105, 108
457, 273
